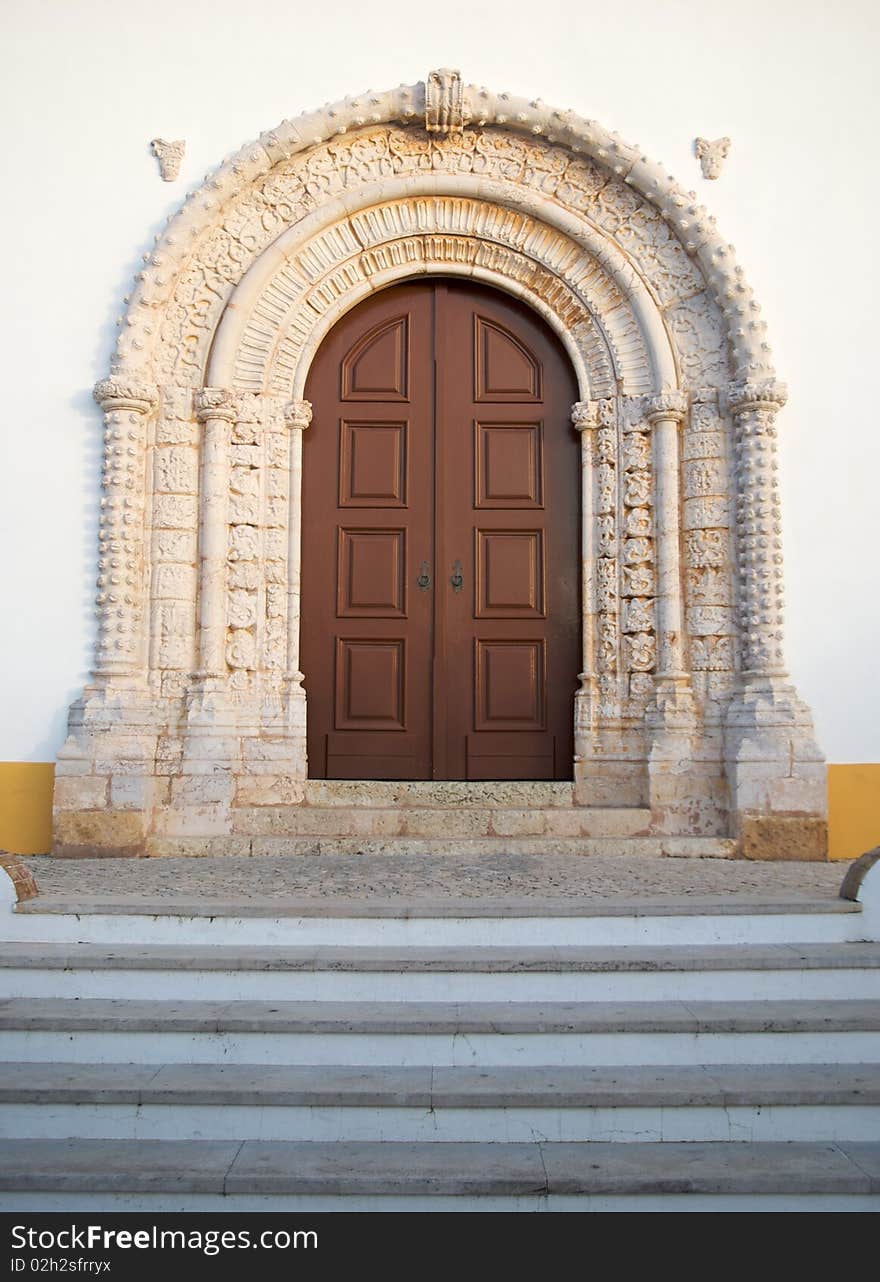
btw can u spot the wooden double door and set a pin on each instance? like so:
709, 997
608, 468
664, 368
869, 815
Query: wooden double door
441, 534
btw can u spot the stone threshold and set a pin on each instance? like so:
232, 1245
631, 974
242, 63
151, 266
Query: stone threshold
434, 794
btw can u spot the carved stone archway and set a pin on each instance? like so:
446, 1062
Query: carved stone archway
196, 716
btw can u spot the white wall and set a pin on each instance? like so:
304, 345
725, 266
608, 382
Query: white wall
88, 83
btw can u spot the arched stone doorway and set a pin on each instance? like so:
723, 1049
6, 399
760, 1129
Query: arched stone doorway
196, 717
441, 534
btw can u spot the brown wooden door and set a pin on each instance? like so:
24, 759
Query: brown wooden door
440, 606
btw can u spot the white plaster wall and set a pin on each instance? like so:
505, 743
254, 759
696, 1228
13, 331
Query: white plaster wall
88, 83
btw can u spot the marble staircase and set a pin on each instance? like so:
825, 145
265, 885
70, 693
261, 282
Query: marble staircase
492, 1055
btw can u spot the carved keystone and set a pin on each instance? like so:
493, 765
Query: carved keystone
444, 102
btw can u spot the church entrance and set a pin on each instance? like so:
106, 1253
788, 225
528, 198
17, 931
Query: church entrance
441, 541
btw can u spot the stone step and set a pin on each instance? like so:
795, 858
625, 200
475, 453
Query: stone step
627, 1104
449, 794
277, 1175
687, 920
257, 834
564, 973
454, 821
439, 1033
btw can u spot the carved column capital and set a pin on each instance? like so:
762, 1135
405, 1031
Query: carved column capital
585, 415
668, 405
121, 393
298, 414
767, 394
216, 402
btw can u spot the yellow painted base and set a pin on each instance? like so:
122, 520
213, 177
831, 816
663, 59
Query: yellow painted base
26, 808
853, 810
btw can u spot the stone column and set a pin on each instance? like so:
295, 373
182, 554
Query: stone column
103, 776
216, 409
297, 416
775, 770
666, 412
674, 791
585, 419
122, 632
758, 528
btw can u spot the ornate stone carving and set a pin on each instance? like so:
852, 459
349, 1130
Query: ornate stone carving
169, 156
281, 241
669, 404
765, 394
585, 415
711, 155
599, 154
759, 525
121, 393
298, 414
444, 102
121, 650
216, 402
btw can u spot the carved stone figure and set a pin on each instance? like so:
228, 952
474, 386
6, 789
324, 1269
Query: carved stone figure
712, 155
169, 156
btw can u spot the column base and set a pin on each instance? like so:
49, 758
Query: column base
775, 772
106, 786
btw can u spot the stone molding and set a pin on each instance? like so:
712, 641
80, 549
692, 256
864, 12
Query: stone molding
581, 137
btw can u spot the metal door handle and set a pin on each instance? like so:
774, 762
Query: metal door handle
457, 579
424, 579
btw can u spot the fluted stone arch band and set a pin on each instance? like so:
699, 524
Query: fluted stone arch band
582, 283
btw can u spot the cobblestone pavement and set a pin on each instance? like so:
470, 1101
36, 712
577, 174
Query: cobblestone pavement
416, 877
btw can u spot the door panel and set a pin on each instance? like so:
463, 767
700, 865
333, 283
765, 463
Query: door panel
373, 464
368, 524
441, 620
511, 518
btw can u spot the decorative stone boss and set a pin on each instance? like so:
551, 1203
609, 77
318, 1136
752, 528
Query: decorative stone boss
195, 717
